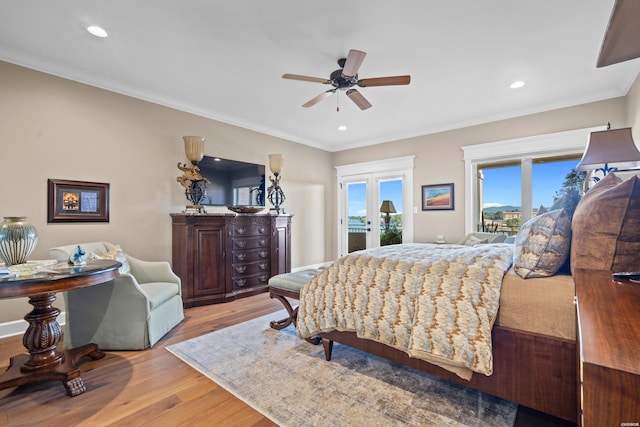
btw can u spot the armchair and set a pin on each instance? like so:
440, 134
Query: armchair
131, 312
489, 237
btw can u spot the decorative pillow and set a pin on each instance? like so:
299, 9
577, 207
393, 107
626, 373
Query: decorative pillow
116, 254
606, 226
542, 245
473, 240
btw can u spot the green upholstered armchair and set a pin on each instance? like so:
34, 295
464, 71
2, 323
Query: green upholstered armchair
131, 312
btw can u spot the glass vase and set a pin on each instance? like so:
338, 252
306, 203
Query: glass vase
18, 239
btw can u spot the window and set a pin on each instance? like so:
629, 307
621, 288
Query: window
502, 193
543, 162
500, 190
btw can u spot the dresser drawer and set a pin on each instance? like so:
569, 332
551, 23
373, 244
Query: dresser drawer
248, 268
250, 281
250, 229
250, 255
250, 242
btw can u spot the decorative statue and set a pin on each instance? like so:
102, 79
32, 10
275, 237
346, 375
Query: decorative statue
191, 174
77, 258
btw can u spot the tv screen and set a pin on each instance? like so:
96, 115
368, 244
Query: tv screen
232, 182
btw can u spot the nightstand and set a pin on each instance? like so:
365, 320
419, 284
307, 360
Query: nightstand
608, 316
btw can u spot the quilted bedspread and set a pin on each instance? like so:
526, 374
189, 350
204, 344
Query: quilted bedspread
435, 302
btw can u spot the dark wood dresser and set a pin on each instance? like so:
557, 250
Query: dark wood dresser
221, 257
609, 343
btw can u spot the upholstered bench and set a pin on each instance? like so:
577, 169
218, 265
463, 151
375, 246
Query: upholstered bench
288, 285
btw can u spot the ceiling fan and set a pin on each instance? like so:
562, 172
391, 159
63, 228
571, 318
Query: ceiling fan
346, 78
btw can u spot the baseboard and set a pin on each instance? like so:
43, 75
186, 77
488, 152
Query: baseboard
18, 327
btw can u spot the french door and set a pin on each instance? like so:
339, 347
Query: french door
361, 224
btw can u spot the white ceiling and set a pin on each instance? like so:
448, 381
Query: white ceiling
225, 59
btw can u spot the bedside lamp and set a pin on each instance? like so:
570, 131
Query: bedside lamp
193, 182
608, 151
387, 208
274, 192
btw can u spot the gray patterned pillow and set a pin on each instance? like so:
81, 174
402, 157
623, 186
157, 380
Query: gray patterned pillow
542, 245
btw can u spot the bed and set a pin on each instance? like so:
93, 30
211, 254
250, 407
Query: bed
532, 350
533, 333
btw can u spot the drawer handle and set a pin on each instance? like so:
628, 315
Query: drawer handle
241, 230
241, 243
264, 278
241, 257
262, 242
262, 230
263, 254
241, 268
263, 266
241, 282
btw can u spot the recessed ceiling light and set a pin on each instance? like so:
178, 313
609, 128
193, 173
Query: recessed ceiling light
342, 128
517, 84
97, 31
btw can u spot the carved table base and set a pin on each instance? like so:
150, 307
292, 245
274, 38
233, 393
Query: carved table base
67, 371
44, 362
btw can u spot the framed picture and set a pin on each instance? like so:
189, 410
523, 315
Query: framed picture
77, 201
437, 197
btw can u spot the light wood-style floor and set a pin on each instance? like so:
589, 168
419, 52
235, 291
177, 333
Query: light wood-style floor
139, 388
153, 387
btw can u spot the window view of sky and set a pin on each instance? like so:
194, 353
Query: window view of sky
501, 186
389, 190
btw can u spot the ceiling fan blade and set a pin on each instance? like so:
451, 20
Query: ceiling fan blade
305, 78
385, 81
358, 99
353, 62
319, 98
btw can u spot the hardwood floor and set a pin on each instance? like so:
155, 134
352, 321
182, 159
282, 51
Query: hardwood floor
152, 387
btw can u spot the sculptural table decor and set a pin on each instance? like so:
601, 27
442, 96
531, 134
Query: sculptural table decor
44, 362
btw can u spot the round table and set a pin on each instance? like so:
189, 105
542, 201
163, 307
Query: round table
44, 361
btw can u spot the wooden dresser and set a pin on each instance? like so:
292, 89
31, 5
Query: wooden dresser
609, 343
221, 257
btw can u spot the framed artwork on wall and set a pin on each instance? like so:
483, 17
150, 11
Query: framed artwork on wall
437, 197
77, 201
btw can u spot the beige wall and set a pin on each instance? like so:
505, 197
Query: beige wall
633, 110
439, 158
57, 128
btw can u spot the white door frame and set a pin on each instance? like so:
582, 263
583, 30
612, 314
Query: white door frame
394, 168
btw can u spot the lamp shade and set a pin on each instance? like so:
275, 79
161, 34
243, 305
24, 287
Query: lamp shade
275, 162
194, 148
387, 207
610, 147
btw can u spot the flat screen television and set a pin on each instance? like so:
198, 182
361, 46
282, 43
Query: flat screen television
232, 182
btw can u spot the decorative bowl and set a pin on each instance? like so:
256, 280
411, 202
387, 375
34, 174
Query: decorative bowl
245, 209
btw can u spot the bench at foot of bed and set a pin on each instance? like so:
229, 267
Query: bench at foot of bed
288, 285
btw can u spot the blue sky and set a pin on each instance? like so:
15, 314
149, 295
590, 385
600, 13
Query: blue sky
501, 186
389, 190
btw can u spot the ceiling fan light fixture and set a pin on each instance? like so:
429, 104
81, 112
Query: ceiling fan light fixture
517, 84
346, 78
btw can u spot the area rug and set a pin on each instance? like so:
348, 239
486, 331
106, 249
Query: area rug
288, 381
